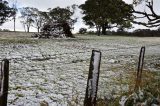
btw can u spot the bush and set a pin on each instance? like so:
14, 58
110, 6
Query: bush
4, 30
91, 32
56, 29
82, 30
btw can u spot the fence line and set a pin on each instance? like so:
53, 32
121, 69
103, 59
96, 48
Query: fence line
92, 82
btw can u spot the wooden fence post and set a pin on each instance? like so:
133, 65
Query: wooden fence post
93, 78
140, 68
4, 81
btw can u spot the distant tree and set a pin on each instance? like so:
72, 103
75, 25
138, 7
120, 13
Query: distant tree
39, 18
144, 33
54, 29
6, 30
59, 21
63, 15
5, 11
15, 10
27, 17
106, 14
91, 32
151, 15
82, 30
24, 25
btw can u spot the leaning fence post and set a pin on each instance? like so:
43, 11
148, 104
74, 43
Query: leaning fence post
140, 68
4, 81
93, 77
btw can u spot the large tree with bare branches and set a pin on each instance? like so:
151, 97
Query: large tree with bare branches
151, 15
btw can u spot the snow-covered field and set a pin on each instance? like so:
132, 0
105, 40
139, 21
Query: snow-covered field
56, 70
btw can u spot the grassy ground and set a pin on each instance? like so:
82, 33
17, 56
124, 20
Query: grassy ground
55, 70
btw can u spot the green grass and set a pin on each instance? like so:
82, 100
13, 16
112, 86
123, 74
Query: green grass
17, 41
16, 38
150, 87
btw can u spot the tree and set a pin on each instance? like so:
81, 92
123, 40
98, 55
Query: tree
27, 17
59, 21
15, 10
55, 29
82, 30
63, 15
151, 15
39, 18
106, 14
5, 11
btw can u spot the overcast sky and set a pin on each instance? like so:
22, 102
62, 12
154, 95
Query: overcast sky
45, 4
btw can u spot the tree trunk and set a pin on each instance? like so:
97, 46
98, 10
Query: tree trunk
27, 29
38, 29
103, 30
24, 26
67, 30
98, 27
14, 19
99, 31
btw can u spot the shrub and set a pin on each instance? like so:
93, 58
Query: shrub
82, 30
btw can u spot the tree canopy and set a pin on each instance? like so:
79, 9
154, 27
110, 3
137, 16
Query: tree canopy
82, 30
61, 15
59, 22
5, 11
106, 14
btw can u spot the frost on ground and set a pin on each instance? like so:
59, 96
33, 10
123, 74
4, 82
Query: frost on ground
56, 70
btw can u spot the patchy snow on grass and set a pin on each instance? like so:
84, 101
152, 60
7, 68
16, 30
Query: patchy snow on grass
56, 70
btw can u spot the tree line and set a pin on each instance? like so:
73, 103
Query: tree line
32, 17
107, 14
100, 14
119, 32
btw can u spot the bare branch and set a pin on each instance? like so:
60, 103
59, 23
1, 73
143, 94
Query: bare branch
153, 18
150, 6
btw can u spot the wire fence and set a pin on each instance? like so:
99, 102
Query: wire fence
91, 90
